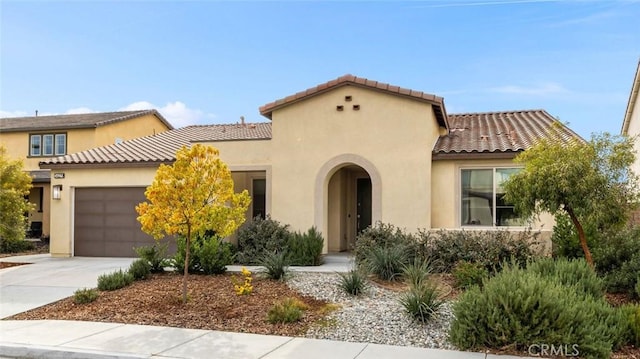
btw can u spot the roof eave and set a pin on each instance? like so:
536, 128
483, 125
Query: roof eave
633, 96
497, 155
130, 164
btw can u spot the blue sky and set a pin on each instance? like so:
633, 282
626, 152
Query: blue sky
204, 62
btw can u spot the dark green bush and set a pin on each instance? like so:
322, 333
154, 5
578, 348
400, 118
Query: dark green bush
421, 302
276, 265
386, 263
287, 311
178, 259
467, 274
214, 255
261, 236
488, 248
15, 246
564, 239
114, 280
155, 255
353, 282
305, 249
84, 296
519, 307
574, 273
383, 235
617, 259
632, 312
140, 269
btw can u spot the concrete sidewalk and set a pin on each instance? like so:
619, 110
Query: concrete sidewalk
71, 339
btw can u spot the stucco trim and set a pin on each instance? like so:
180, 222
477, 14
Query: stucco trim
321, 195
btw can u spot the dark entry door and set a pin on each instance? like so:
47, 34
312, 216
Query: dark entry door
363, 200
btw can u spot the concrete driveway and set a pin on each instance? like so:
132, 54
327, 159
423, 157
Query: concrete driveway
49, 279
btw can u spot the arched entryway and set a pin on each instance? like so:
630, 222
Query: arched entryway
348, 196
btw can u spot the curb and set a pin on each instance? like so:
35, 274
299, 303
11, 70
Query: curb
10, 350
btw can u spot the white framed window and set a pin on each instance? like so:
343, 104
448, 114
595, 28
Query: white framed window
35, 145
48, 144
482, 198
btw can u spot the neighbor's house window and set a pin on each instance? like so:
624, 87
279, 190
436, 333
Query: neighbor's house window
48, 144
483, 201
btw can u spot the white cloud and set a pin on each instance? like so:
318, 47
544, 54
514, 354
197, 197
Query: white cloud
78, 110
177, 113
550, 88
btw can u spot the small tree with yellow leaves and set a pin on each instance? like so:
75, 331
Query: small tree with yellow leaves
14, 186
191, 196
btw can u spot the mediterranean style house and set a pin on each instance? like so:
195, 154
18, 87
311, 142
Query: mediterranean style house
339, 156
38, 138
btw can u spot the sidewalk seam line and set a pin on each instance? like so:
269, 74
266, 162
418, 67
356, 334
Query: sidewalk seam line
188, 341
86, 336
278, 347
360, 352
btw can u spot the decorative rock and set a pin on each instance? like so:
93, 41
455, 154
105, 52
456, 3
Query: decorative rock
374, 317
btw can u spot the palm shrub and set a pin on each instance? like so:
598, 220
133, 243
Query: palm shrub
276, 265
386, 263
140, 269
416, 273
305, 249
518, 307
353, 282
261, 236
422, 302
114, 280
155, 255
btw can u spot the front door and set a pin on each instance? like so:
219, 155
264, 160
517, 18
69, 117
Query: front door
363, 200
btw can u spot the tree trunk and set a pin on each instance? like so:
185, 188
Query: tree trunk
581, 236
186, 266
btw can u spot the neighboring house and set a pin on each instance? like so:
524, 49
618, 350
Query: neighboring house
38, 138
631, 123
339, 156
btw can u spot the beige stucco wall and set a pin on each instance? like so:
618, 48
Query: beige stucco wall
634, 130
446, 187
394, 134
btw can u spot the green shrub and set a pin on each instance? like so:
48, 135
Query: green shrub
261, 236
84, 296
353, 282
305, 249
519, 307
564, 239
416, 273
383, 235
276, 265
575, 273
214, 255
287, 311
386, 263
15, 246
155, 255
632, 312
421, 302
114, 280
178, 259
140, 269
617, 260
467, 274
638, 287
487, 248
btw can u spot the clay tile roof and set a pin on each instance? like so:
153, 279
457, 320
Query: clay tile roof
346, 80
159, 148
64, 122
496, 132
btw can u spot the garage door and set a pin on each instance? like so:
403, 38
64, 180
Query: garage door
105, 222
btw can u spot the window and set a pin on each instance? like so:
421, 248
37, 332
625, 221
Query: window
48, 144
259, 198
483, 201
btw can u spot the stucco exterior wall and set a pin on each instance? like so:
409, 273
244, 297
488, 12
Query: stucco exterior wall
634, 130
396, 135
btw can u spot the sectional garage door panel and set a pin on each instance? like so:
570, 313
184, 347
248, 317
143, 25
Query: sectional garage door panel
105, 222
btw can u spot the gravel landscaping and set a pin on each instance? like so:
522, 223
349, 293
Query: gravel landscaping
375, 317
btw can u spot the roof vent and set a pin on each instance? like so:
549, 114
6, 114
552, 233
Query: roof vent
348, 98
339, 108
356, 107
